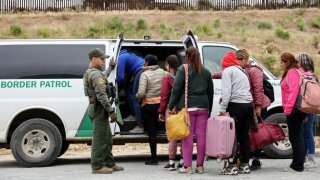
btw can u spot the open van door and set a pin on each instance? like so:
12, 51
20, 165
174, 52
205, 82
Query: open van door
112, 78
189, 40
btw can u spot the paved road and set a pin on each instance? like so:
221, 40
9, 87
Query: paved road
78, 167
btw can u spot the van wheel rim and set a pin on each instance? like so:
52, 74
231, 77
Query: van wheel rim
35, 143
285, 144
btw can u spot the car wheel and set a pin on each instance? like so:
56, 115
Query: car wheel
64, 148
279, 149
36, 142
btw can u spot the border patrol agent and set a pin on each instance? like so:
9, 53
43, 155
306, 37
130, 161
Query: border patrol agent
99, 110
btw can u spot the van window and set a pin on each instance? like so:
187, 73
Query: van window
40, 61
212, 57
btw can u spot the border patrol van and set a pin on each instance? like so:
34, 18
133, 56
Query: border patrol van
42, 102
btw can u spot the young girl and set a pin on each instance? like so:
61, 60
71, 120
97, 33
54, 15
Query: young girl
167, 83
306, 63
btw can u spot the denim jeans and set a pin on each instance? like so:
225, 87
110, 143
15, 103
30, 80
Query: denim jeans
307, 133
134, 104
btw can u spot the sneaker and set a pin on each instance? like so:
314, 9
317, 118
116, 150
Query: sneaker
255, 165
129, 118
310, 164
104, 170
180, 165
137, 130
170, 167
200, 170
289, 169
151, 162
117, 168
185, 170
244, 170
167, 166
229, 171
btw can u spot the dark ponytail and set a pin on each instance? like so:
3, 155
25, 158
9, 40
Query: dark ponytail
193, 57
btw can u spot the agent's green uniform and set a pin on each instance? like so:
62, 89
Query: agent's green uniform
95, 88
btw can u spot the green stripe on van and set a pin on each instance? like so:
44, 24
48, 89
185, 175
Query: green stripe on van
85, 129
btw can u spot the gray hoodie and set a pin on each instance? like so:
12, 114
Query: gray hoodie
235, 87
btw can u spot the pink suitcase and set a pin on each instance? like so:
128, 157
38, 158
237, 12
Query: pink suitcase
220, 138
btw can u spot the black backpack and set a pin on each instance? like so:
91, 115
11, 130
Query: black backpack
268, 89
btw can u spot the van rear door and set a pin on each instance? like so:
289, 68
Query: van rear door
189, 40
112, 78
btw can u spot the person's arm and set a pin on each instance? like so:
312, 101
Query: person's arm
294, 80
178, 88
210, 93
217, 75
164, 94
111, 66
99, 85
226, 90
142, 90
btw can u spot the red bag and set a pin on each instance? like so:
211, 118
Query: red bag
267, 133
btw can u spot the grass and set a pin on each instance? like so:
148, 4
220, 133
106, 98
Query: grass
300, 24
216, 23
315, 41
282, 34
44, 33
272, 31
15, 30
264, 25
141, 24
316, 23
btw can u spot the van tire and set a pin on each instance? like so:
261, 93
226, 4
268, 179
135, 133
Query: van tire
36, 143
64, 148
282, 149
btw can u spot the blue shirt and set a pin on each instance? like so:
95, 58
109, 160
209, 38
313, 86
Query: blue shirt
128, 63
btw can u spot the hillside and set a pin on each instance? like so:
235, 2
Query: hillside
264, 33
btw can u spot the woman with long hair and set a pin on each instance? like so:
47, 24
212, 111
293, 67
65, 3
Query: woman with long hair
200, 97
289, 91
306, 64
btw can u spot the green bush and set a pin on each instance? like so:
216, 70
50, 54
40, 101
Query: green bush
15, 30
244, 21
316, 23
202, 29
219, 35
166, 32
93, 31
216, 23
115, 24
300, 24
282, 34
264, 25
141, 24
44, 33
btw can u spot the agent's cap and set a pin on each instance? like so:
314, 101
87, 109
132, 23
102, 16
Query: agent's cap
97, 52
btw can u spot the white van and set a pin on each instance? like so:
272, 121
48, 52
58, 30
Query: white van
42, 102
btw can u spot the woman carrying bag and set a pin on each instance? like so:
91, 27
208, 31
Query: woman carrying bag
199, 103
